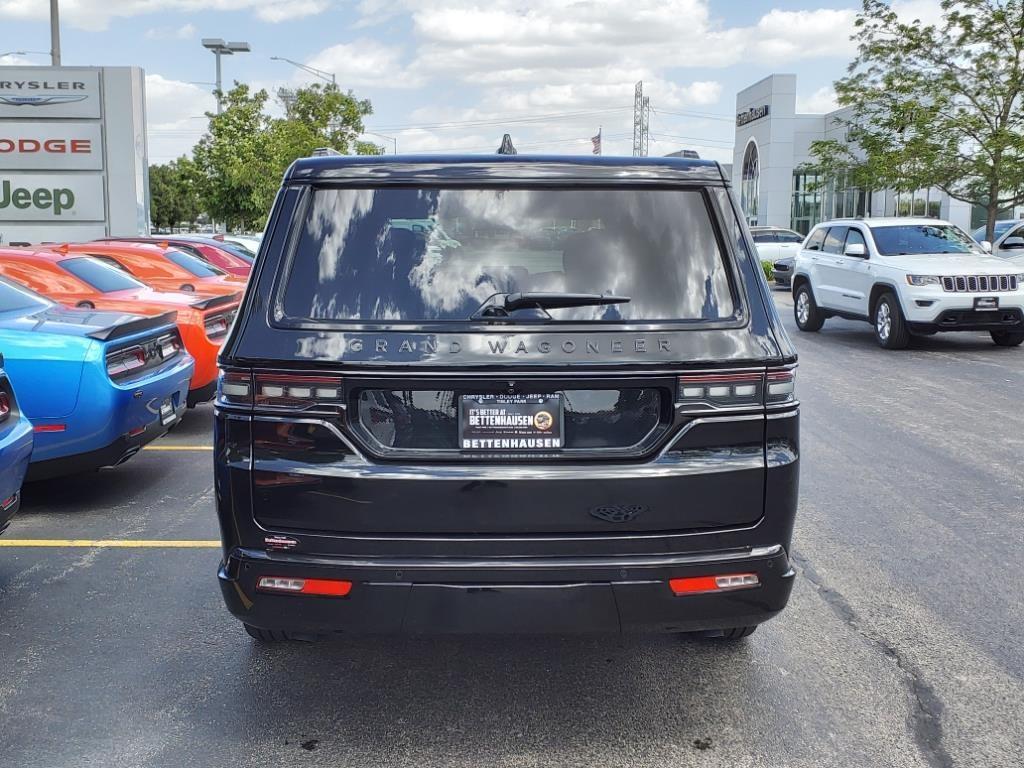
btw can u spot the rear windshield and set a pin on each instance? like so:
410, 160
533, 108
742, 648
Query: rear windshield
193, 264
438, 254
17, 298
103, 277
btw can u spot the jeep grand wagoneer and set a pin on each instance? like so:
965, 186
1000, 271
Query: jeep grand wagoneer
506, 394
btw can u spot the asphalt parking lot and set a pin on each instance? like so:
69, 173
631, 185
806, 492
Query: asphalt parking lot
900, 646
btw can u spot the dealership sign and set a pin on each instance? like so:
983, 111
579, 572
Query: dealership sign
752, 114
51, 197
51, 146
31, 93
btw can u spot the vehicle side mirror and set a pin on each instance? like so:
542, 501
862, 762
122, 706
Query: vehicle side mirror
1011, 243
986, 246
856, 249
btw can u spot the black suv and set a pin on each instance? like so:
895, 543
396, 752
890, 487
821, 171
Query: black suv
501, 394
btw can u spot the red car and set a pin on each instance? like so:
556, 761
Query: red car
230, 258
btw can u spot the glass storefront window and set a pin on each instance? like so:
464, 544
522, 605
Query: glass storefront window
749, 181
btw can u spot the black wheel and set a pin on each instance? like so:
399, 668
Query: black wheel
808, 316
891, 330
266, 635
1008, 338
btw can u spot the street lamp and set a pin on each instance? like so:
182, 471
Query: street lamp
323, 75
220, 48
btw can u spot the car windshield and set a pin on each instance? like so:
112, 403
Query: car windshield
100, 276
193, 264
393, 255
240, 251
15, 298
1001, 228
912, 239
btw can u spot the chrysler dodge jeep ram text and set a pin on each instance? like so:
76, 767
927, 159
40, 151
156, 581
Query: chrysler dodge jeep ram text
506, 394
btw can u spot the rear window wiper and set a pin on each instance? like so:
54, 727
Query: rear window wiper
504, 305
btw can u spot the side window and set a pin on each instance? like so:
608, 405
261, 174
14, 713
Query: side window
764, 237
834, 240
816, 240
854, 237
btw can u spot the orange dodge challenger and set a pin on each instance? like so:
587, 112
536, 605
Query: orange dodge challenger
160, 266
81, 281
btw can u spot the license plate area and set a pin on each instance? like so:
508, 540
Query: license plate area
519, 423
986, 302
167, 414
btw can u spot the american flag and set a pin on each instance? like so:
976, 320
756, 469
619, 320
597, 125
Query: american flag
596, 140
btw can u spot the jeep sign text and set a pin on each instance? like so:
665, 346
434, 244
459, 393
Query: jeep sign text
59, 199
50, 197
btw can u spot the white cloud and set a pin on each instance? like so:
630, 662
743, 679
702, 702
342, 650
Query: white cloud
184, 32
365, 63
97, 14
175, 116
821, 101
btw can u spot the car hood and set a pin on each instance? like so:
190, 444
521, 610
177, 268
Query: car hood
952, 264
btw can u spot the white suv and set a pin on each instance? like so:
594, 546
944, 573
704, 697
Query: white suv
906, 276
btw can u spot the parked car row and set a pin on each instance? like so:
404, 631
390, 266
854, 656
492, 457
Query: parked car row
104, 346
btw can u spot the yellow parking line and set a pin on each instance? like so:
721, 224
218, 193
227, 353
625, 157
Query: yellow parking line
123, 543
178, 448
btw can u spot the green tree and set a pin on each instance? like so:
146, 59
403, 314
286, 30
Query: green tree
239, 163
936, 105
173, 197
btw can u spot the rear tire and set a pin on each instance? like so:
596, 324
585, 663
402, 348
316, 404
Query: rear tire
1008, 338
808, 317
267, 635
891, 330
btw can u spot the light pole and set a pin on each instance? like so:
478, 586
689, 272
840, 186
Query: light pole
220, 48
322, 74
54, 34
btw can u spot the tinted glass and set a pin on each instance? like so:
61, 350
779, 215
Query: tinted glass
433, 254
854, 237
193, 264
17, 298
102, 277
922, 238
238, 250
763, 237
834, 240
788, 237
816, 240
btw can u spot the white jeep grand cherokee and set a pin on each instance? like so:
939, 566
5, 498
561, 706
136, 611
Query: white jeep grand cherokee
906, 276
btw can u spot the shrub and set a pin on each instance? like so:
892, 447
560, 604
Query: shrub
769, 272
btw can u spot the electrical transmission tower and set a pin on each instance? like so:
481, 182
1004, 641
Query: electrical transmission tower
641, 121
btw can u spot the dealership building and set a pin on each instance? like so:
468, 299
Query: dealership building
772, 174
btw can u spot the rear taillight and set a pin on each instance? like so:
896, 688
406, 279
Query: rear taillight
217, 326
699, 585
298, 392
122, 362
5, 406
736, 390
169, 345
234, 388
321, 587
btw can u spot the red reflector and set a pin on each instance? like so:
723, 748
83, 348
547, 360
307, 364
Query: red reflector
136, 432
695, 585
323, 587
49, 427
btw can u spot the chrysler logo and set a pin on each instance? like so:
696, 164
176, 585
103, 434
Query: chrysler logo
39, 101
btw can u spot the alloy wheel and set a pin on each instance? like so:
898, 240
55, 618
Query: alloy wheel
883, 320
803, 307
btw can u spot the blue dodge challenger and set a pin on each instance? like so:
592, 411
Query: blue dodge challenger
15, 449
97, 386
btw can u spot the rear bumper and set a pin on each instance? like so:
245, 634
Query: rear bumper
538, 594
202, 394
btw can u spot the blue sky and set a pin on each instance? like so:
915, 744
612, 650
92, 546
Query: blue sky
456, 74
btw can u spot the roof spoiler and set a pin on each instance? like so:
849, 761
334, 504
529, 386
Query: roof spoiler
216, 301
133, 326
